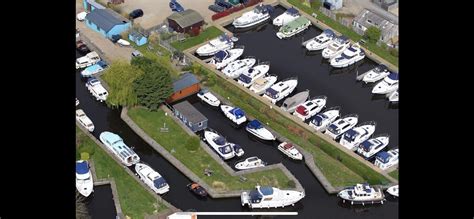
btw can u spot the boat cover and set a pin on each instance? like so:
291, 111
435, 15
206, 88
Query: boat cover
160, 182
292, 11
383, 156
329, 33
82, 167
221, 55
271, 93
366, 145
237, 112
220, 140
288, 146
254, 124
318, 119
255, 196
302, 110
244, 78
351, 135
393, 76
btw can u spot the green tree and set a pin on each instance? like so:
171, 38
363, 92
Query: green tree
372, 34
154, 86
192, 144
119, 77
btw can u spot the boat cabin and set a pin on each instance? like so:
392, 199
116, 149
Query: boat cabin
237, 112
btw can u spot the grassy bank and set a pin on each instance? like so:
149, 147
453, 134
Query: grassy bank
385, 54
394, 174
134, 199
339, 168
199, 159
208, 34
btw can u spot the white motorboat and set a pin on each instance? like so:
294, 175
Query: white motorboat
250, 163
362, 194
209, 98
289, 15
115, 144
96, 89
235, 114
87, 60
290, 103
385, 160
322, 120
84, 181
355, 136
393, 97
281, 89
237, 67
388, 85
310, 108
123, 42
256, 128
248, 77
294, 27
342, 125
350, 56
223, 42
258, 15
270, 197
336, 47
376, 74
219, 144
372, 146
321, 41
84, 120
224, 57
262, 84
94, 69
81, 16
237, 149
393, 190
290, 150
152, 179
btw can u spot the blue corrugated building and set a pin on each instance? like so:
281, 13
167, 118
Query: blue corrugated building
137, 38
107, 22
90, 5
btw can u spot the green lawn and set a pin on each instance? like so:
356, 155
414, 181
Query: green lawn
346, 31
198, 160
394, 174
345, 172
134, 199
208, 34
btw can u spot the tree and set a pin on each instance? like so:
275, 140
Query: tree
192, 144
154, 86
372, 34
119, 77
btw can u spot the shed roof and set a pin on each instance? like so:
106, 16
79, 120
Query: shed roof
186, 80
186, 18
137, 35
189, 112
368, 18
106, 19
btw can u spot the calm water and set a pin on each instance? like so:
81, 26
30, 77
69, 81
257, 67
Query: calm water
101, 204
317, 203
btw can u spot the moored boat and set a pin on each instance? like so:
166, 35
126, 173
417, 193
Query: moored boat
376, 74
310, 108
197, 189
290, 150
290, 103
258, 15
256, 128
336, 47
350, 56
209, 98
370, 147
385, 160
388, 85
237, 67
247, 78
294, 27
355, 136
262, 84
223, 42
220, 145
322, 120
84, 181
235, 114
321, 41
115, 144
270, 197
223, 57
393, 190
151, 178
281, 89
342, 125
289, 15
362, 194
250, 163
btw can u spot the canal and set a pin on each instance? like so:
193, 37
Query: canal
101, 203
289, 59
316, 204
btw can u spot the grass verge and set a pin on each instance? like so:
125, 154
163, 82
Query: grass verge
394, 174
208, 34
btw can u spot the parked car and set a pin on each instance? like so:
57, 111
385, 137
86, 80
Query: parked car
223, 3
81, 16
216, 8
115, 38
136, 13
82, 47
136, 53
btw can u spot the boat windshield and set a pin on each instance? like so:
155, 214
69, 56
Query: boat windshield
225, 149
334, 129
318, 120
255, 196
244, 78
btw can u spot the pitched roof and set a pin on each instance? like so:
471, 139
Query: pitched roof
186, 80
368, 18
186, 18
189, 112
136, 35
105, 19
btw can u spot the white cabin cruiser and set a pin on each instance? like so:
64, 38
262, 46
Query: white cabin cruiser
223, 42
250, 163
322, 120
152, 179
310, 108
84, 120
237, 67
281, 89
288, 16
87, 60
393, 190
393, 97
209, 98
235, 114
290, 150
321, 41
362, 194
376, 74
219, 144
270, 197
262, 84
224, 57
258, 15
115, 144
355, 136
96, 89
338, 127
248, 77
372, 146
294, 27
256, 128
385, 160
350, 56
290, 103
389, 84
84, 181
336, 47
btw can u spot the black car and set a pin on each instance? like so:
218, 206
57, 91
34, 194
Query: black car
136, 13
223, 3
115, 38
216, 8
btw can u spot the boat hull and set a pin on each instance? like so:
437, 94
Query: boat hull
262, 134
250, 24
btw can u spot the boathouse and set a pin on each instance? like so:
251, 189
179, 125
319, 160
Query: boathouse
190, 116
185, 86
